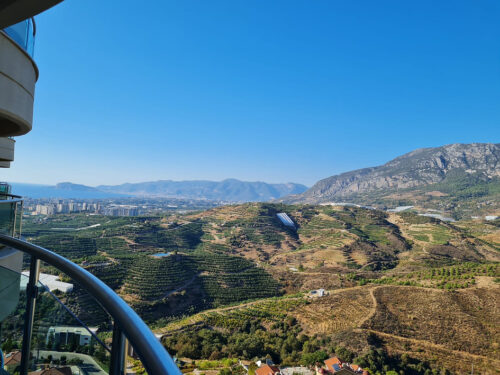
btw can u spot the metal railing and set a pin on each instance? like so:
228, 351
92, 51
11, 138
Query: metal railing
126, 323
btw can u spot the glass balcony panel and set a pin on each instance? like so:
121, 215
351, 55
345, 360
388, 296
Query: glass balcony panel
23, 34
81, 304
7, 216
70, 329
12, 312
30, 39
4, 190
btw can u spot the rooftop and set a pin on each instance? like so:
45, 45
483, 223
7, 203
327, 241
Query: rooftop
52, 282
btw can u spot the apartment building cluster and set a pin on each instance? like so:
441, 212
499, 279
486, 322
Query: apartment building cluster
62, 207
65, 206
130, 206
121, 210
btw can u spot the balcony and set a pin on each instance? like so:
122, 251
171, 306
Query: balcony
18, 75
6, 151
23, 33
42, 328
11, 207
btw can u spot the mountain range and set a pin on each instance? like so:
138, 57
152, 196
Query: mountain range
451, 178
230, 190
60, 191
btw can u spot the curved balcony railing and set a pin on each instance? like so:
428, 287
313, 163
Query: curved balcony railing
52, 333
23, 33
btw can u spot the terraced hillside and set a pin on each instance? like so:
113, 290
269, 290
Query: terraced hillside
335, 236
327, 243
402, 287
173, 285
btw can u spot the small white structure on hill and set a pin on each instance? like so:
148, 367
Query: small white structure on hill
438, 216
399, 209
317, 293
265, 361
285, 219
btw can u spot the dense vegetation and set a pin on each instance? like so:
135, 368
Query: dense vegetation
283, 341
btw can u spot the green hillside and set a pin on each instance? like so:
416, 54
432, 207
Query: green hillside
229, 280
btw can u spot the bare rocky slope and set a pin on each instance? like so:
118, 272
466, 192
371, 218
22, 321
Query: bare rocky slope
421, 167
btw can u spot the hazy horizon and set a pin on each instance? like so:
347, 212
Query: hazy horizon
138, 182
131, 181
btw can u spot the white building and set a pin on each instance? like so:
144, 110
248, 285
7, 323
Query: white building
52, 282
45, 209
318, 293
64, 335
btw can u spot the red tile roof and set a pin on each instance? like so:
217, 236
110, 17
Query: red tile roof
13, 358
332, 361
356, 367
267, 370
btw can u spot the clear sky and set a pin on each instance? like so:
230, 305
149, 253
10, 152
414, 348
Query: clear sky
274, 91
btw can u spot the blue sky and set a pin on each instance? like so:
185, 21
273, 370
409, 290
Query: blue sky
274, 91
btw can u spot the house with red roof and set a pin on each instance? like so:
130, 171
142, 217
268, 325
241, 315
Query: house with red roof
268, 370
335, 366
356, 368
12, 360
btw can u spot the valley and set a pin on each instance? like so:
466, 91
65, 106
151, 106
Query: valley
401, 285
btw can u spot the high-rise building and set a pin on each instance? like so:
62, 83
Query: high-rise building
18, 76
45, 209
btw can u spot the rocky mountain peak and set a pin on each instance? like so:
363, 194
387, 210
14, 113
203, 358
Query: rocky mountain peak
419, 167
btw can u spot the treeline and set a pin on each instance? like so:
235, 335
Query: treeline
286, 344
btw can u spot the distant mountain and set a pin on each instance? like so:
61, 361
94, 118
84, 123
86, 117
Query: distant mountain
64, 190
74, 187
228, 190
460, 166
